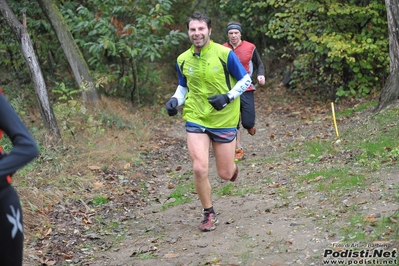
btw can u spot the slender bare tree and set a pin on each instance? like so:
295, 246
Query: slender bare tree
72, 52
23, 38
390, 93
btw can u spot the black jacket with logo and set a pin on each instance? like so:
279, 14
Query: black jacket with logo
24, 146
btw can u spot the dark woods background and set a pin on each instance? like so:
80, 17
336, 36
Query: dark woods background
333, 49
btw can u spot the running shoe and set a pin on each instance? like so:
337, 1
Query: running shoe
239, 154
209, 223
252, 131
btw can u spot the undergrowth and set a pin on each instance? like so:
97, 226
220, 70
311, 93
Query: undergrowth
106, 136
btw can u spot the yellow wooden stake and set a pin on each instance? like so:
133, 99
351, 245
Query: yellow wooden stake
335, 121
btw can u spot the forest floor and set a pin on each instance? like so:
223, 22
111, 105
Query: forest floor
270, 216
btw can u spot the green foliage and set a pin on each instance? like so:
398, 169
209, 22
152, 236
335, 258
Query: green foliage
341, 46
11, 57
66, 94
253, 15
6, 143
46, 47
113, 120
394, 153
338, 48
19, 104
120, 38
72, 117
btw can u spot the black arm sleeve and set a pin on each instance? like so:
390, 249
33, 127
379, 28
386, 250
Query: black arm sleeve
260, 69
24, 146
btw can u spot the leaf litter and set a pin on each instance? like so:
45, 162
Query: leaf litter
275, 221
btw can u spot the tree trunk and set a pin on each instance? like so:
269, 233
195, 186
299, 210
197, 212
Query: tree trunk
73, 54
390, 92
135, 94
28, 52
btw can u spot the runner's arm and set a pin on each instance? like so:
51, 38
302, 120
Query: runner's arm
24, 146
236, 69
181, 90
260, 68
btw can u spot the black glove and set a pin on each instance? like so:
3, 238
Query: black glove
219, 101
171, 106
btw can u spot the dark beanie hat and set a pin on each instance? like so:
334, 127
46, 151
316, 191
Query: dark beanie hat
233, 26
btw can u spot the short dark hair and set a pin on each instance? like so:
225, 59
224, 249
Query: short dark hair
199, 16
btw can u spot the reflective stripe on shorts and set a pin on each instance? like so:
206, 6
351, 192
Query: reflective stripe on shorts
223, 135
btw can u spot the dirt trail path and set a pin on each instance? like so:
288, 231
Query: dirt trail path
266, 218
271, 223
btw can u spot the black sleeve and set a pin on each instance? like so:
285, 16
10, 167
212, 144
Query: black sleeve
24, 146
257, 61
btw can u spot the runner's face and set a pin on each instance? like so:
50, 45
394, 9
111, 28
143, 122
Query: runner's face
234, 37
199, 34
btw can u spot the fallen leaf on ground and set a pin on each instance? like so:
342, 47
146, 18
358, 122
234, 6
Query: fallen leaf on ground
382, 243
275, 185
172, 255
316, 179
98, 185
370, 218
94, 167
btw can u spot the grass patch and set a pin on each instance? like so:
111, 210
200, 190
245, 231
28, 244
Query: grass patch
225, 190
357, 108
376, 139
364, 106
372, 227
260, 160
99, 200
310, 150
182, 194
232, 190
316, 149
146, 256
333, 178
294, 154
353, 231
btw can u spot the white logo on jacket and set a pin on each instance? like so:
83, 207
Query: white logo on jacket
15, 220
